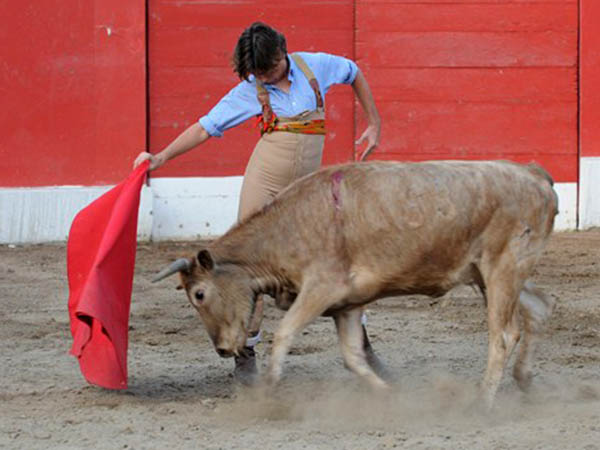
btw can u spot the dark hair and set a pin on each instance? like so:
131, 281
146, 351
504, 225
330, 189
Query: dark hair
257, 50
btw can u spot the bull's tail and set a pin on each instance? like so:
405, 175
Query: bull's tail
539, 171
536, 306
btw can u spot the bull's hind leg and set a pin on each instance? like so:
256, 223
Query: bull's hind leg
315, 297
351, 336
535, 308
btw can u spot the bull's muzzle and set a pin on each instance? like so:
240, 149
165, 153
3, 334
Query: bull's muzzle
224, 353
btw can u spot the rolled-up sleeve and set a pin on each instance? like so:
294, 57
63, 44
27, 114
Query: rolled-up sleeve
336, 70
237, 106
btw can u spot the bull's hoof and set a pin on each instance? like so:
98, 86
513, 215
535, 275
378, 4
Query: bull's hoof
523, 378
245, 371
377, 365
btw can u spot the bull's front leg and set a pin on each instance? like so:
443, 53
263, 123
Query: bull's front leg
315, 297
351, 336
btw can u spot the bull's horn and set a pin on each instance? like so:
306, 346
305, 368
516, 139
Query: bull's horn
174, 267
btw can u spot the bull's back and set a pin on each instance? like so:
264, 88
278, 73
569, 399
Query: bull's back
435, 194
429, 218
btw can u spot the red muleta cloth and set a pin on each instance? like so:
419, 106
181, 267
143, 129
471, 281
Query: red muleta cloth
100, 262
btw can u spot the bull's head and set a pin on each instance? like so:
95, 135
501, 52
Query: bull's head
222, 295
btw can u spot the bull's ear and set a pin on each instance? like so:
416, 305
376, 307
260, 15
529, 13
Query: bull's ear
205, 260
179, 287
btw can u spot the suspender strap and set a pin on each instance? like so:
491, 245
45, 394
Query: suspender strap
310, 76
268, 116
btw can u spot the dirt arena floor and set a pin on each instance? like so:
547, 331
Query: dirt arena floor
181, 394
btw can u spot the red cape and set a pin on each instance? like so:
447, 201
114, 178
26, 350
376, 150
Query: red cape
100, 262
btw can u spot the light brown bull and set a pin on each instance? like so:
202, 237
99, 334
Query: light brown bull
351, 234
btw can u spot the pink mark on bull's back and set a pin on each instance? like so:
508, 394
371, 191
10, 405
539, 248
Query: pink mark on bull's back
336, 179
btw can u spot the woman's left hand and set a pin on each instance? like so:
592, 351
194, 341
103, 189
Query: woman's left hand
371, 135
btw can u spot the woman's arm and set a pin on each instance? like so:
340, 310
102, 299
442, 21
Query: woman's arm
371, 134
193, 136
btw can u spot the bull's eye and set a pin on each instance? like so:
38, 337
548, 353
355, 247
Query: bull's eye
199, 295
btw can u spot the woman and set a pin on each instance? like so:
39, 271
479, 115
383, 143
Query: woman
288, 92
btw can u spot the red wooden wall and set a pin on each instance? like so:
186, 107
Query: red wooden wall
469, 79
473, 79
590, 79
190, 46
73, 91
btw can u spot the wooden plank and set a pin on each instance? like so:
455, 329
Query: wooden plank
502, 2
466, 130
205, 47
210, 83
502, 85
460, 49
332, 15
187, 91
562, 168
590, 79
488, 17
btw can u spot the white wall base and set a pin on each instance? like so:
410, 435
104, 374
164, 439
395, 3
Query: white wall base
589, 192
35, 215
567, 206
189, 208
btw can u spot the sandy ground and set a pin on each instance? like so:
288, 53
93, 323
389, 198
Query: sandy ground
181, 394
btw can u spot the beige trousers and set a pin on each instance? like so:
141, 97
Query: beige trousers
279, 158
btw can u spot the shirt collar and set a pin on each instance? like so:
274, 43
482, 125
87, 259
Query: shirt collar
291, 73
293, 67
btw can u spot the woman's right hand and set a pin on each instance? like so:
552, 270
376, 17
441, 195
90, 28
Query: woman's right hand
155, 161
194, 135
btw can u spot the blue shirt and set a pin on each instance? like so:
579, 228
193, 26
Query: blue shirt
241, 102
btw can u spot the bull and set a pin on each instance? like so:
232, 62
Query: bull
348, 235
